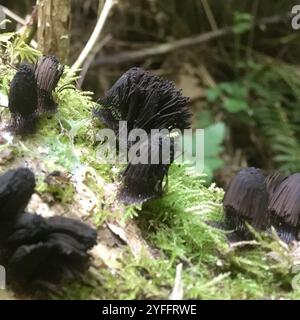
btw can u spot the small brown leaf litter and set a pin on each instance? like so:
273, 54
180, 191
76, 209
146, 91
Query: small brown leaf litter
6, 156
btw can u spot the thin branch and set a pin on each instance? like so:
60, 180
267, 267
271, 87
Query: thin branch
161, 49
209, 14
25, 24
165, 48
95, 35
13, 16
91, 57
29, 30
252, 31
240, 244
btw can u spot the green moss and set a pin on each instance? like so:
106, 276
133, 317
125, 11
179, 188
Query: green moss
61, 192
176, 226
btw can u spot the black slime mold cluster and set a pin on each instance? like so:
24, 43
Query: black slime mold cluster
263, 202
146, 102
30, 93
37, 250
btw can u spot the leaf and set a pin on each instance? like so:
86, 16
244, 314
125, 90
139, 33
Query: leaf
213, 94
76, 126
4, 22
234, 89
213, 139
205, 119
242, 22
234, 105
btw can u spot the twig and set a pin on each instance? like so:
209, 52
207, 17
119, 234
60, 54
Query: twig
129, 56
240, 244
95, 35
177, 293
26, 24
12, 15
209, 14
29, 30
252, 31
97, 47
91, 57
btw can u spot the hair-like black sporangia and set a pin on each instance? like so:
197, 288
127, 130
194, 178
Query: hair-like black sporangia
78, 230
246, 200
141, 182
116, 100
16, 189
58, 257
31, 245
23, 100
32, 227
284, 207
146, 102
48, 71
273, 181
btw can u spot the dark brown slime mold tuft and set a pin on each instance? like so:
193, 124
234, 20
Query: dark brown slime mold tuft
23, 101
48, 71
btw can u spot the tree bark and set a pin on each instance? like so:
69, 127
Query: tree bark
54, 23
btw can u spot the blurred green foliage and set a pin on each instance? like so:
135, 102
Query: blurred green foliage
265, 101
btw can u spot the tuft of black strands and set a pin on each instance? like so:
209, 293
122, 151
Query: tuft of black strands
32, 228
146, 102
74, 228
284, 207
273, 181
23, 100
48, 71
34, 249
46, 254
116, 100
144, 181
16, 189
58, 257
246, 200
